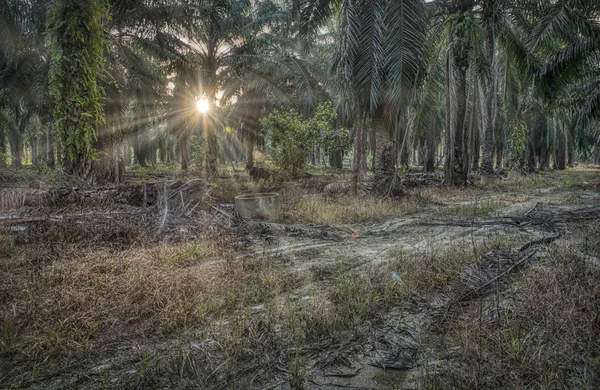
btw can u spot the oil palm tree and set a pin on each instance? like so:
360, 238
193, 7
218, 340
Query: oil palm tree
377, 59
462, 33
23, 68
566, 33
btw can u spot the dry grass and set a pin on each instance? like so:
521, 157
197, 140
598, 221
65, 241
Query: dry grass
313, 208
302, 202
65, 298
59, 303
546, 334
202, 315
356, 294
476, 209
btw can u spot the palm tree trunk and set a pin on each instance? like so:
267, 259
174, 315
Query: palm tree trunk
210, 128
373, 147
2, 147
16, 149
359, 151
491, 99
530, 157
211, 149
118, 164
475, 138
79, 59
318, 155
430, 147
336, 159
249, 151
34, 151
560, 149
171, 152
135, 143
544, 158
460, 165
184, 150
448, 144
141, 147
487, 157
384, 151
162, 150
127, 153
570, 154
499, 155
457, 167
50, 160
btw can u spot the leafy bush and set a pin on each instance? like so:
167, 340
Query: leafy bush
329, 137
294, 136
293, 139
197, 149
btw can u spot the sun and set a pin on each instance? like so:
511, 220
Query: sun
202, 105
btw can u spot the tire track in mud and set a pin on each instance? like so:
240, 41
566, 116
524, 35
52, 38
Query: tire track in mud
385, 239
379, 243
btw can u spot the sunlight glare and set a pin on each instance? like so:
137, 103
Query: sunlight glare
202, 105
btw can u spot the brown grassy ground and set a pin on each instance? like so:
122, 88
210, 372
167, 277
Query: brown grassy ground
545, 333
113, 307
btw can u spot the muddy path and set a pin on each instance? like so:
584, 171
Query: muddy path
377, 242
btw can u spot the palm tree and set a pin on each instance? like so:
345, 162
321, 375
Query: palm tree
377, 58
462, 29
23, 70
567, 34
76, 78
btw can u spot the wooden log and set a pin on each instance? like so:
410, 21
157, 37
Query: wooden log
134, 195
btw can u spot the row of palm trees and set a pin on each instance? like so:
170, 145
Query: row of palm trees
159, 58
447, 78
473, 68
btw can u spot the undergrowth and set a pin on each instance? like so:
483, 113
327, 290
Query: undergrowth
545, 333
199, 312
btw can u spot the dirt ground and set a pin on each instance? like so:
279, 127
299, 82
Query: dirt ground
396, 345
444, 288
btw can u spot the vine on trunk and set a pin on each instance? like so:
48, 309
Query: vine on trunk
78, 40
518, 146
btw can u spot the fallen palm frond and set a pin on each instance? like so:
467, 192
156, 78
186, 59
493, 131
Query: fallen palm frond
493, 268
270, 229
15, 198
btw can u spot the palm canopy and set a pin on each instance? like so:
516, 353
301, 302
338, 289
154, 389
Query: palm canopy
400, 67
379, 47
567, 34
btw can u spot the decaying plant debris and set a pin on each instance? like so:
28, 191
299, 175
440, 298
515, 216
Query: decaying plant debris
162, 285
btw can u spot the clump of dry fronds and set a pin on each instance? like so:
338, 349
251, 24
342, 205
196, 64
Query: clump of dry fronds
544, 334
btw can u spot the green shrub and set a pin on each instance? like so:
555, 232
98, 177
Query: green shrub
294, 136
293, 139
